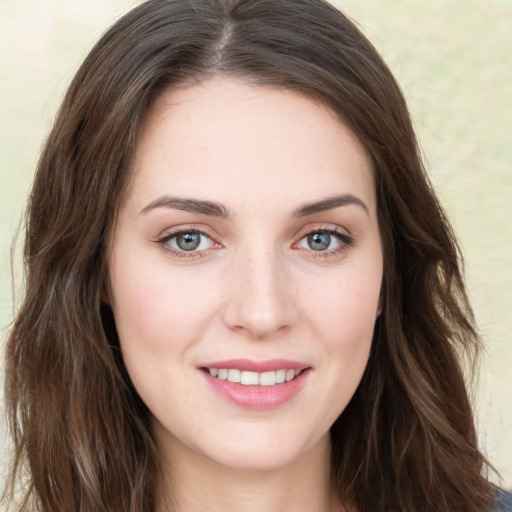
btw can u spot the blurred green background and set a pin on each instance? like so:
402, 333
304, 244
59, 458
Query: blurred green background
453, 59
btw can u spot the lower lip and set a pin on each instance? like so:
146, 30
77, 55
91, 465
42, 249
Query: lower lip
257, 397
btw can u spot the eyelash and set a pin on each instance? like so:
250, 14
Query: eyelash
345, 242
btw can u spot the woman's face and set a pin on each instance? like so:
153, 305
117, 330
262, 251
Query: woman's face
246, 248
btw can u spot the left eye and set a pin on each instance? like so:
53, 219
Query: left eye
189, 241
321, 241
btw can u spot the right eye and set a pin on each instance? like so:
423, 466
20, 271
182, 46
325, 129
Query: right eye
186, 241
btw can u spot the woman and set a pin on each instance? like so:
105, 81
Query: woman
241, 291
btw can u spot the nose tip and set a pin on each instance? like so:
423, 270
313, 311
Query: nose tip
259, 327
260, 300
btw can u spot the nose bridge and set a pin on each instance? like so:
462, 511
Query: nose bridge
260, 301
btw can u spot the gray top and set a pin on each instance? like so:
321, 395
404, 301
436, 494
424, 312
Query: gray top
503, 501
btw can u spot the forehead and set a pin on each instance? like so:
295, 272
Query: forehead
235, 141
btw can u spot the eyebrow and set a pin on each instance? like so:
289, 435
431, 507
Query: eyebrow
218, 210
188, 205
329, 204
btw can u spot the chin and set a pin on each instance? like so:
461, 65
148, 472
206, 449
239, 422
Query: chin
254, 460
264, 452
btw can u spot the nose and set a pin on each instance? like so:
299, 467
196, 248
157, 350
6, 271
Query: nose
260, 300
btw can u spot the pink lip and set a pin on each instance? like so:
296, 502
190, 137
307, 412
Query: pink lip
257, 397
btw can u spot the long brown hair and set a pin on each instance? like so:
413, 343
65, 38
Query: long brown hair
406, 441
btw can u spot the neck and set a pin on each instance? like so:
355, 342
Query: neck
193, 483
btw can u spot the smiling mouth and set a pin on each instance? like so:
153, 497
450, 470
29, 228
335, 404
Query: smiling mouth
247, 378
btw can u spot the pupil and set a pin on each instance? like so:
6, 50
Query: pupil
188, 241
319, 241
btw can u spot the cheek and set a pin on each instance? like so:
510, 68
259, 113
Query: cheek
343, 313
158, 317
347, 305
156, 309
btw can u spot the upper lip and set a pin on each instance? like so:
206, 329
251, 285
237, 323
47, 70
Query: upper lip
249, 365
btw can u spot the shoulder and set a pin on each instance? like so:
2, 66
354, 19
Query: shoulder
503, 501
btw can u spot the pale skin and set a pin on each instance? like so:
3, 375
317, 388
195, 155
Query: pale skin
277, 195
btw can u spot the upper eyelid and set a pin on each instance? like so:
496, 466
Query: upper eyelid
330, 231
171, 232
344, 234
174, 234
331, 228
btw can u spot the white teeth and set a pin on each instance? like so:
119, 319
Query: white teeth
267, 378
234, 375
280, 376
254, 378
248, 378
